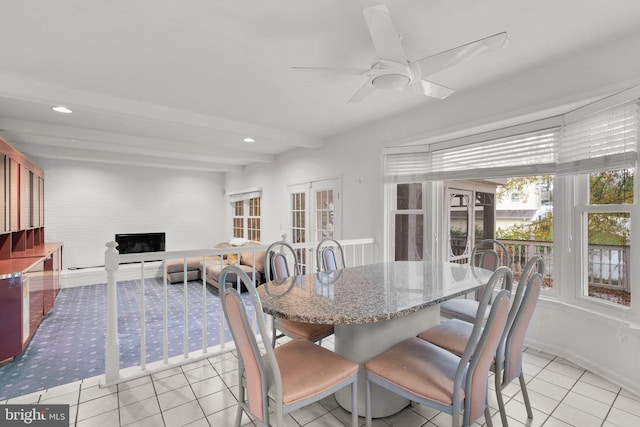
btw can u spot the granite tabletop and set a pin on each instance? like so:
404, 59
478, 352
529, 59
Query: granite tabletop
369, 293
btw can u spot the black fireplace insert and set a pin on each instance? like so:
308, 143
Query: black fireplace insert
134, 243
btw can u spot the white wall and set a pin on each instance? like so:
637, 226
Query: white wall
86, 204
357, 162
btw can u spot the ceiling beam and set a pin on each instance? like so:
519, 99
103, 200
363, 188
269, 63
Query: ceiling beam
33, 91
49, 152
65, 136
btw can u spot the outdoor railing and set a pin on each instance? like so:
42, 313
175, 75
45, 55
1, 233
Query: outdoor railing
357, 252
520, 251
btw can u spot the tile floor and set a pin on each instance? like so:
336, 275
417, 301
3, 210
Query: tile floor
204, 394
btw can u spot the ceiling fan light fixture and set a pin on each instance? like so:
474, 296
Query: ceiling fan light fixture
390, 81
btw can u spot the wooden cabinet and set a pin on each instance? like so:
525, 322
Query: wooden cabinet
27, 295
29, 267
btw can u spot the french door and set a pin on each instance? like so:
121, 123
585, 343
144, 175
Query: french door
314, 213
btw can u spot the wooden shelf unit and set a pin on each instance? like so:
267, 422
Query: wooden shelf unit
29, 267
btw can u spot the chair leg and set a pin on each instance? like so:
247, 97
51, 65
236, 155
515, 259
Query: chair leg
367, 401
525, 395
487, 417
354, 403
503, 410
273, 334
239, 415
455, 419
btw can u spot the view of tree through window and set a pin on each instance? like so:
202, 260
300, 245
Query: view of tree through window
608, 232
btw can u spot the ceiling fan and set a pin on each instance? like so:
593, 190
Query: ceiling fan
392, 70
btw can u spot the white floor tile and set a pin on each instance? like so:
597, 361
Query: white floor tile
64, 399
152, 421
97, 406
407, 418
598, 381
201, 373
90, 393
109, 418
175, 398
628, 405
600, 394
587, 405
554, 422
183, 414
135, 383
327, 420
557, 378
218, 401
167, 384
539, 401
575, 417
547, 389
133, 395
309, 413
622, 418
139, 410
208, 386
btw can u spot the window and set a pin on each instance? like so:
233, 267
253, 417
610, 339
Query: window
246, 209
580, 168
253, 220
607, 226
409, 222
238, 219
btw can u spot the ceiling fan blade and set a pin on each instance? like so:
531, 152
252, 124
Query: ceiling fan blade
383, 34
365, 90
434, 63
339, 70
427, 88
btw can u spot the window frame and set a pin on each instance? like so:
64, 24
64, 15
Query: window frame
246, 216
582, 208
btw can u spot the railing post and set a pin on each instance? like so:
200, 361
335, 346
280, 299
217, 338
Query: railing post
112, 346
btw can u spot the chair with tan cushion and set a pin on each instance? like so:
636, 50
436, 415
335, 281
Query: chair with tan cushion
283, 379
454, 334
430, 375
277, 259
329, 255
488, 254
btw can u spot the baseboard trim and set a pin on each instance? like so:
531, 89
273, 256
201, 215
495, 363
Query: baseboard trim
98, 275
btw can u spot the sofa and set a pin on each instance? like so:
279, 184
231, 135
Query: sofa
175, 267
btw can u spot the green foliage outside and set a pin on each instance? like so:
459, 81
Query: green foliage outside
606, 188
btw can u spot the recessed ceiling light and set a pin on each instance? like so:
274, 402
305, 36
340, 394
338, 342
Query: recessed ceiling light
61, 109
248, 139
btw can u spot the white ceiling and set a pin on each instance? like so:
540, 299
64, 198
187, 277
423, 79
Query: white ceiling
180, 84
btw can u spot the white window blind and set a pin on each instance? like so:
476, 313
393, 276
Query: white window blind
407, 167
529, 154
604, 140
236, 196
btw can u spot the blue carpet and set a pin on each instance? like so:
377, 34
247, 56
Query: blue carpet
69, 344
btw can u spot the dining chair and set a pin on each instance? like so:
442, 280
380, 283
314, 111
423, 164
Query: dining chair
430, 375
277, 267
283, 379
488, 254
326, 257
453, 335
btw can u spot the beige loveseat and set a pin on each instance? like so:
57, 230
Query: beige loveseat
175, 267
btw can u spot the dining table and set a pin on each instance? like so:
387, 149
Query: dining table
372, 307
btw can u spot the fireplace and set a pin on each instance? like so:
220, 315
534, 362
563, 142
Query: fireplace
134, 243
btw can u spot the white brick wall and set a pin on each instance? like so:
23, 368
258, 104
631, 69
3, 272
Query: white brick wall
86, 204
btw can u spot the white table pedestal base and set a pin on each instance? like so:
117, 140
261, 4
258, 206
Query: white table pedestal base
361, 342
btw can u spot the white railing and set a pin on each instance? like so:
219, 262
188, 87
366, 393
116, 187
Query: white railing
357, 252
520, 251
